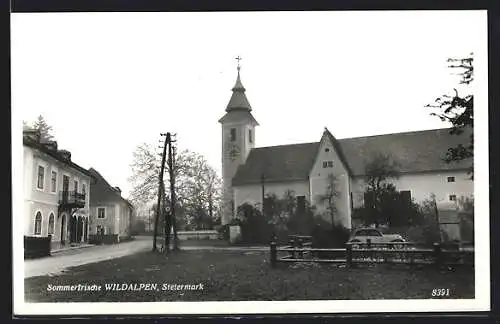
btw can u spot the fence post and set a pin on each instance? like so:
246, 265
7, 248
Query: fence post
294, 244
273, 253
438, 255
301, 253
348, 250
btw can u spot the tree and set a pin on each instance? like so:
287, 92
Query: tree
330, 197
44, 128
197, 185
378, 171
459, 111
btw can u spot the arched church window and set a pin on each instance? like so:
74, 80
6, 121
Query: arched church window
38, 223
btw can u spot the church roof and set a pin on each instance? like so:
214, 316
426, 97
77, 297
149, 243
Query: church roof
239, 116
277, 163
238, 99
414, 152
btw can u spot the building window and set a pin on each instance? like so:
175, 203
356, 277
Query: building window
38, 223
327, 150
301, 204
325, 164
453, 197
100, 230
232, 138
50, 230
53, 182
76, 185
406, 197
250, 139
451, 179
41, 175
84, 189
101, 212
330, 164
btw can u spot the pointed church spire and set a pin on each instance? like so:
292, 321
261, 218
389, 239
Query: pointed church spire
238, 100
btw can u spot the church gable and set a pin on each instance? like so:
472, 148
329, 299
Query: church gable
329, 161
328, 158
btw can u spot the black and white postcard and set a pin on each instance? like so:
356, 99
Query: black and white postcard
250, 162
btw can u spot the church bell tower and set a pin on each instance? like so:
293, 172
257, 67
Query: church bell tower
238, 138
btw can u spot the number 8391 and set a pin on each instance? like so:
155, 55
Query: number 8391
441, 292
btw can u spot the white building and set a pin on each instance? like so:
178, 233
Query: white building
56, 192
250, 173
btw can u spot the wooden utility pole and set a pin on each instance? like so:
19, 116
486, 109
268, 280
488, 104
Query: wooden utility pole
160, 186
174, 200
262, 178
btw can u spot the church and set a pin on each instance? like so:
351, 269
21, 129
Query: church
249, 172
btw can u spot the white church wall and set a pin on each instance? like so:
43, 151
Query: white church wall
319, 180
422, 185
252, 193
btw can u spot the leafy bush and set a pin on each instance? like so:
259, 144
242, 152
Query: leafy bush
255, 228
324, 235
223, 232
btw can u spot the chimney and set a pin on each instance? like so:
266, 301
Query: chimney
65, 154
32, 134
51, 145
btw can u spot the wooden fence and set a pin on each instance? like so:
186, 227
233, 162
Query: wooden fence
300, 250
36, 247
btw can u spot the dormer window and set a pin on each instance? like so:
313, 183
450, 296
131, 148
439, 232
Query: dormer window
232, 136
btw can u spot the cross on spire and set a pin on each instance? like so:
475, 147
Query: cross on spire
238, 58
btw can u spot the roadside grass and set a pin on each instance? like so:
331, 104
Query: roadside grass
238, 275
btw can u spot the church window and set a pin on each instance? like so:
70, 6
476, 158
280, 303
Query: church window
453, 197
233, 135
325, 164
451, 179
330, 164
250, 139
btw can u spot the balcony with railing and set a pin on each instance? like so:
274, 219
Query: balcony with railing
71, 199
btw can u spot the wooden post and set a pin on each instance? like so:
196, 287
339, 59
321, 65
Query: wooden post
295, 245
348, 256
438, 255
160, 186
273, 253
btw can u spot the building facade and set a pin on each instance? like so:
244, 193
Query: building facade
56, 192
110, 213
250, 173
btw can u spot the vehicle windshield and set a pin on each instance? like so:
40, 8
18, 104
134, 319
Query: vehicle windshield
367, 232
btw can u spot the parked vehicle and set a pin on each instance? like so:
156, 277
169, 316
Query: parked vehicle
361, 235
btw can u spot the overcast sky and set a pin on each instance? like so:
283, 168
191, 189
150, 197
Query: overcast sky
108, 82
